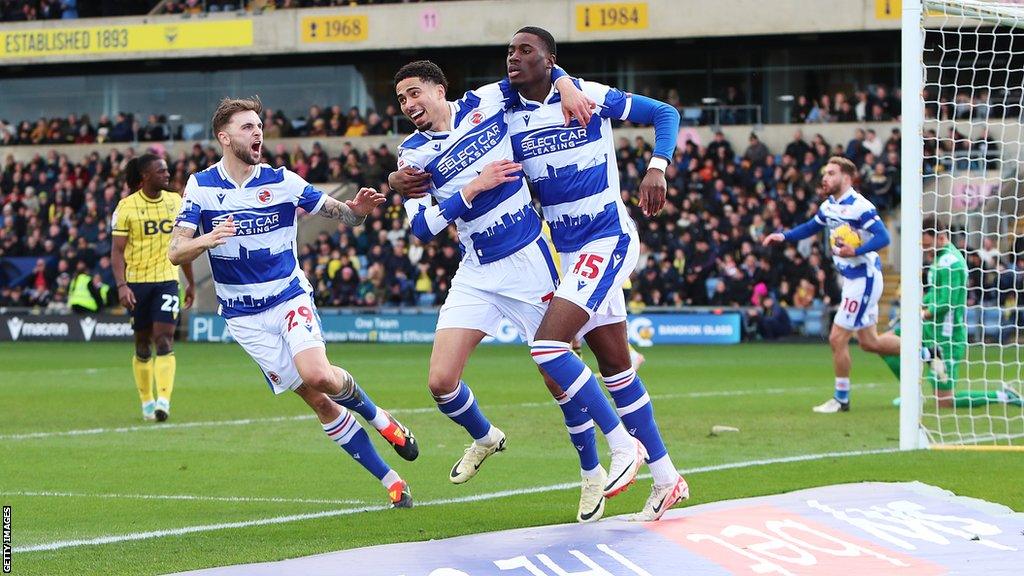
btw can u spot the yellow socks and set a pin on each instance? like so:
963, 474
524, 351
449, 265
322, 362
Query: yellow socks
164, 369
143, 370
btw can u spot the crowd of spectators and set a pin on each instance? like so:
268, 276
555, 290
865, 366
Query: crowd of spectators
335, 120
199, 6
704, 249
23, 10
318, 121
57, 213
877, 105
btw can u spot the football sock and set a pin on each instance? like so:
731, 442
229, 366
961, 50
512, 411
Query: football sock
143, 370
663, 471
633, 405
346, 432
893, 362
390, 478
164, 367
581, 432
580, 384
843, 390
460, 405
360, 403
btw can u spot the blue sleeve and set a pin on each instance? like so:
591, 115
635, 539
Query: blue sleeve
664, 117
419, 226
429, 222
878, 241
867, 219
311, 199
190, 209
805, 230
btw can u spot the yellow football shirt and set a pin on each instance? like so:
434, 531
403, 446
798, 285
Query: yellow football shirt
147, 223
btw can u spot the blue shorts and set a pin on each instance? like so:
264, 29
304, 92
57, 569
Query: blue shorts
154, 302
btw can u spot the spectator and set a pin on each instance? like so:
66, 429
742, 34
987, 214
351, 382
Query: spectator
756, 152
771, 320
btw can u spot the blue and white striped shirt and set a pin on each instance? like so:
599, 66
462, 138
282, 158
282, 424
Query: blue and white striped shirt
500, 221
258, 267
573, 169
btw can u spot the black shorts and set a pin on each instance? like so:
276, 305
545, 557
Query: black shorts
154, 302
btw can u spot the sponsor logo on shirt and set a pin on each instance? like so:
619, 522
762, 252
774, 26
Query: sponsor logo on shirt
557, 138
249, 223
470, 148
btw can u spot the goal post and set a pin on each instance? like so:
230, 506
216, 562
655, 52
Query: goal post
912, 112
961, 166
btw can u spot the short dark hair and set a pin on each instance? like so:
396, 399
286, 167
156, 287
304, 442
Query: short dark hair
544, 35
424, 70
934, 225
135, 167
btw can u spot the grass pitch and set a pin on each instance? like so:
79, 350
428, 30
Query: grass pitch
235, 454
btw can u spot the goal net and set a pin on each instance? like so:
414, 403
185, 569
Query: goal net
968, 274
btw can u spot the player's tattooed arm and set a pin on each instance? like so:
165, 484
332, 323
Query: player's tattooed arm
352, 212
185, 246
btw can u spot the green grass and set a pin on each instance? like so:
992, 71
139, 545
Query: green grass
765, 390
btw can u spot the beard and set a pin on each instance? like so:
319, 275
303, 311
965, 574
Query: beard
244, 153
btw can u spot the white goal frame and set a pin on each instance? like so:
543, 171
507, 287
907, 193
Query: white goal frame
913, 70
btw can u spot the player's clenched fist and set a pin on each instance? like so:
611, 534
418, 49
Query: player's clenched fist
221, 232
365, 201
492, 176
773, 238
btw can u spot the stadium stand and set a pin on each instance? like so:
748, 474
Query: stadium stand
703, 250
24, 10
334, 120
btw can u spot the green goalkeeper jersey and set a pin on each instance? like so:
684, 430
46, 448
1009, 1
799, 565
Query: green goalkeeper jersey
946, 301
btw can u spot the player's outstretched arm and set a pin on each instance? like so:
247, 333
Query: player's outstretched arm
185, 246
805, 230
352, 212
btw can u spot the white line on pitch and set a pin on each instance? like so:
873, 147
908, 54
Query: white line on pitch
115, 538
259, 499
398, 411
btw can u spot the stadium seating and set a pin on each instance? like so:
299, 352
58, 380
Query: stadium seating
384, 260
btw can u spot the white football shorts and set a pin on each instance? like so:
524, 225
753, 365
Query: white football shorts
516, 288
592, 278
273, 337
859, 305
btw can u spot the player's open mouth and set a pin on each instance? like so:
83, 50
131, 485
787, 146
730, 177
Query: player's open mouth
256, 146
417, 115
513, 71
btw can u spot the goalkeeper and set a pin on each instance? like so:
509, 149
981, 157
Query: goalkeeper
944, 327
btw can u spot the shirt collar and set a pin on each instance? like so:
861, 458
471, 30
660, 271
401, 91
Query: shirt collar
849, 192
227, 177
532, 104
